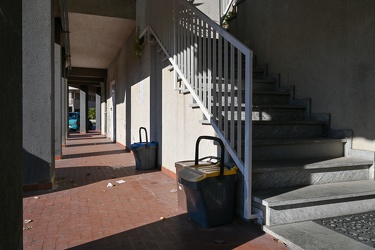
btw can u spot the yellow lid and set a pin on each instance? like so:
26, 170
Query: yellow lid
202, 171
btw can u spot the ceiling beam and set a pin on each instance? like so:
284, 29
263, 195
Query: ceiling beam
78, 84
85, 79
87, 72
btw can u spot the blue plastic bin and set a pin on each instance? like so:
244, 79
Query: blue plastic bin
145, 153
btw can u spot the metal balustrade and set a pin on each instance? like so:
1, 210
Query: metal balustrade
217, 69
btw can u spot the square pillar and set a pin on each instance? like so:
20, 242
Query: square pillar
65, 108
83, 109
97, 109
58, 92
103, 109
38, 94
11, 138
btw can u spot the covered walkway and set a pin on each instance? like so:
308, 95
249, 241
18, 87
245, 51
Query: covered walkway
142, 213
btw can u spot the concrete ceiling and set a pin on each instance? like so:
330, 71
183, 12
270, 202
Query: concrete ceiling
98, 29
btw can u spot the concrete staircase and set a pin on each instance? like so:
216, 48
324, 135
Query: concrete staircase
300, 168
300, 171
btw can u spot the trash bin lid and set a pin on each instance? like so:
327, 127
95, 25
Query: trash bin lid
137, 145
200, 172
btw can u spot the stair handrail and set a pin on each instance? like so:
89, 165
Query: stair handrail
208, 60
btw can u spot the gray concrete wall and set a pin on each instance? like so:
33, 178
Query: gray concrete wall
145, 98
324, 48
11, 111
38, 91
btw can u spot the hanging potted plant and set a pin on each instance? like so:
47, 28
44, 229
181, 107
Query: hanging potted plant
138, 45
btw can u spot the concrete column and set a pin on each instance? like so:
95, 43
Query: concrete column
103, 109
97, 109
58, 92
65, 107
11, 125
38, 94
83, 110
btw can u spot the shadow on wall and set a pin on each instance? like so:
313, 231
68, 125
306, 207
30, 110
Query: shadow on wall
131, 71
156, 96
36, 170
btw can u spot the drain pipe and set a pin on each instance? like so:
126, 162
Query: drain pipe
65, 31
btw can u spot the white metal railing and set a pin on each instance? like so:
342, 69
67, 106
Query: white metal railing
215, 67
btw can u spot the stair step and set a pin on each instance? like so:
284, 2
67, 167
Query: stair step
311, 235
185, 91
264, 85
278, 113
258, 85
289, 205
258, 73
270, 97
297, 148
288, 129
271, 112
193, 105
261, 86
308, 171
205, 122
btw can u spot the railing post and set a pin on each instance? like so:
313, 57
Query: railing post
176, 87
247, 173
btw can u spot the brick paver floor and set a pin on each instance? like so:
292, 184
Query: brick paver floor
81, 212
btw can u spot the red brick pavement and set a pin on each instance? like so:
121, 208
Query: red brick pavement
81, 212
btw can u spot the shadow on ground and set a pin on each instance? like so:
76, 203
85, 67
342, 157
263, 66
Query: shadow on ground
179, 232
88, 144
81, 155
73, 177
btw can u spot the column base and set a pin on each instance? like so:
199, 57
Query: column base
37, 186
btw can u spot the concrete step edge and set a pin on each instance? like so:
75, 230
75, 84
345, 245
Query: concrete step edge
293, 141
323, 164
298, 196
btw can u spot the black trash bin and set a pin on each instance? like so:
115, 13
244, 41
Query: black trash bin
209, 189
145, 153
180, 165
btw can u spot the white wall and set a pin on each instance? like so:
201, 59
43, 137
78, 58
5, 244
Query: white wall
145, 98
210, 8
181, 126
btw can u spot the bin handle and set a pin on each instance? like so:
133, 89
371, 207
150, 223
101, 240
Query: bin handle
140, 135
206, 137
